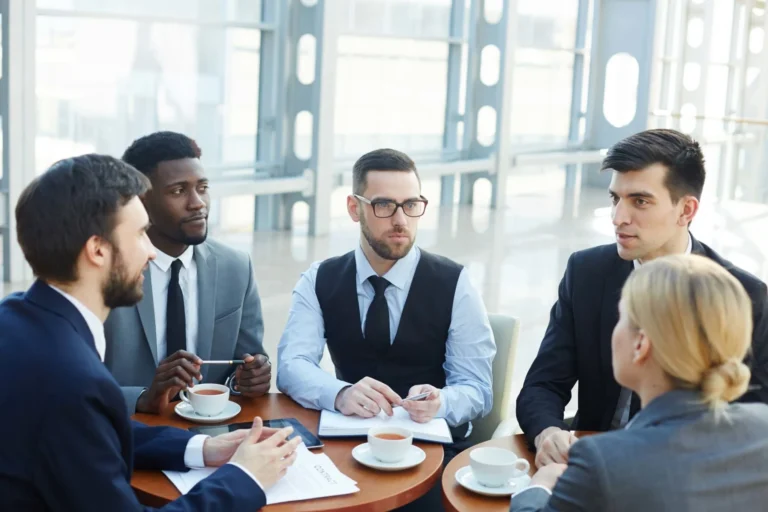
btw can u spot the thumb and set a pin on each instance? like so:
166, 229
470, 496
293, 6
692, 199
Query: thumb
255, 434
415, 390
248, 358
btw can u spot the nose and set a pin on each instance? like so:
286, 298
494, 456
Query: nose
399, 218
620, 214
195, 201
151, 253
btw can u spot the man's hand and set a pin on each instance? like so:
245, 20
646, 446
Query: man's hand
552, 446
366, 399
267, 460
218, 450
548, 475
173, 374
254, 376
424, 410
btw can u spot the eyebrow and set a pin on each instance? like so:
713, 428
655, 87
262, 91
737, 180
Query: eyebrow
184, 182
390, 199
641, 194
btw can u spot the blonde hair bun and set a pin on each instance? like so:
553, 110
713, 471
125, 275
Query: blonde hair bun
725, 382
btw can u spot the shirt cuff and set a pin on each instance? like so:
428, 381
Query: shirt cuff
193, 455
242, 468
534, 487
329, 394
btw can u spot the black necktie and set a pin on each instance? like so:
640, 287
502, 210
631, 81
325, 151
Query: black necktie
176, 324
377, 319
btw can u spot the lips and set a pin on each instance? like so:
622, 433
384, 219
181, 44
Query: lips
196, 219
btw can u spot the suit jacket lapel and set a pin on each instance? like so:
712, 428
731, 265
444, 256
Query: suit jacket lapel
206, 299
146, 309
609, 316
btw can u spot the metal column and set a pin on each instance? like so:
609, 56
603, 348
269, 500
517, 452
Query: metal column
17, 104
495, 96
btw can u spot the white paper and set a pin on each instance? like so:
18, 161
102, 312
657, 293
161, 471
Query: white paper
311, 476
334, 423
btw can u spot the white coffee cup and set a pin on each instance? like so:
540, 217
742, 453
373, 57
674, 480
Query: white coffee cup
494, 467
390, 450
203, 401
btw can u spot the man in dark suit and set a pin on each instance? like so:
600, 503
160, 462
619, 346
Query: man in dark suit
658, 177
68, 441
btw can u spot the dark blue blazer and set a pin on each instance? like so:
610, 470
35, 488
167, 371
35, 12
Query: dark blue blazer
66, 441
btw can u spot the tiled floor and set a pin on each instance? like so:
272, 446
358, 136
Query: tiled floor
515, 256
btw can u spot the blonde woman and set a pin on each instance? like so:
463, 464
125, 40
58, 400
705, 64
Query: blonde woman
684, 329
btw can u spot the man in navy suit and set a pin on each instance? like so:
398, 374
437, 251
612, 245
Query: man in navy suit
68, 443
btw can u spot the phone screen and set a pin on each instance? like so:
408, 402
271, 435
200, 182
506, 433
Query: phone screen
310, 440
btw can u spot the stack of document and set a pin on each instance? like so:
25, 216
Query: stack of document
311, 476
334, 424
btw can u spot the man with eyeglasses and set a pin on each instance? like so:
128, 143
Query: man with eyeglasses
398, 321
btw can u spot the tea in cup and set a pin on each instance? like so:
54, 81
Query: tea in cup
206, 399
390, 444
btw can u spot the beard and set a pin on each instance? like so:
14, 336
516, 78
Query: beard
120, 289
381, 247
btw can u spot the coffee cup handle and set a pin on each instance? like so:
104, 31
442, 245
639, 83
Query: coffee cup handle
522, 466
185, 398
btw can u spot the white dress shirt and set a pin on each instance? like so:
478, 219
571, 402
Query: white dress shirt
160, 271
469, 349
193, 455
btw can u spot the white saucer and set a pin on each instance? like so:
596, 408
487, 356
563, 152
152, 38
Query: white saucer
467, 480
185, 410
362, 454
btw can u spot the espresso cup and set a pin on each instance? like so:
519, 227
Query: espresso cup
494, 467
390, 444
206, 399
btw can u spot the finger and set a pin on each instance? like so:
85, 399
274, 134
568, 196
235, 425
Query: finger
417, 407
248, 361
416, 390
255, 433
248, 379
190, 368
542, 459
183, 354
256, 371
278, 437
359, 410
367, 403
381, 402
288, 461
557, 455
289, 447
561, 449
172, 385
179, 372
267, 432
255, 391
385, 390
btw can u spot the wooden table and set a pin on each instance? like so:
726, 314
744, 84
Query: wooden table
379, 491
458, 499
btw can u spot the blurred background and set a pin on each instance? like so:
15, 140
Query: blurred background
506, 106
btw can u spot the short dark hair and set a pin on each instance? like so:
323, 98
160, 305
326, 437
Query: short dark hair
147, 152
380, 160
75, 199
677, 151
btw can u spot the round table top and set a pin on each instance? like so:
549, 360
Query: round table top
457, 499
379, 491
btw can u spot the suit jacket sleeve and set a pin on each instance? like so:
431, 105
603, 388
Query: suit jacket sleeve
758, 355
159, 447
547, 388
131, 395
80, 466
251, 335
582, 488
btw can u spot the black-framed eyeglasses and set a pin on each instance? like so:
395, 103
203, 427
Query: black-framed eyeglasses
385, 208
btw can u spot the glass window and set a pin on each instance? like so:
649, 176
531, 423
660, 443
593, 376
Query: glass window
401, 18
102, 82
242, 11
389, 93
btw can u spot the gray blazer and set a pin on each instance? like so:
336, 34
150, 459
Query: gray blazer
229, 311
675, 455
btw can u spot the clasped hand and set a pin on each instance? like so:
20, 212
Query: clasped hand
368, 397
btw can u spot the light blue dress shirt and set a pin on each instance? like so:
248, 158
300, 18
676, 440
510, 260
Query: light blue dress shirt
469, 349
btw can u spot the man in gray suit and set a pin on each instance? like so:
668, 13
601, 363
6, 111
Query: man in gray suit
673, 456
200, 299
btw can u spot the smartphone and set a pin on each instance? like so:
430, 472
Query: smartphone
310, 440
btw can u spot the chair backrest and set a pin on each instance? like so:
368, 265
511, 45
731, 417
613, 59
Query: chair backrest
506, 330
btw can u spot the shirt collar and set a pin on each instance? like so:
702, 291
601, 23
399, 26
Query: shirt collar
399, 273
688, 250
93, 322
163, 261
